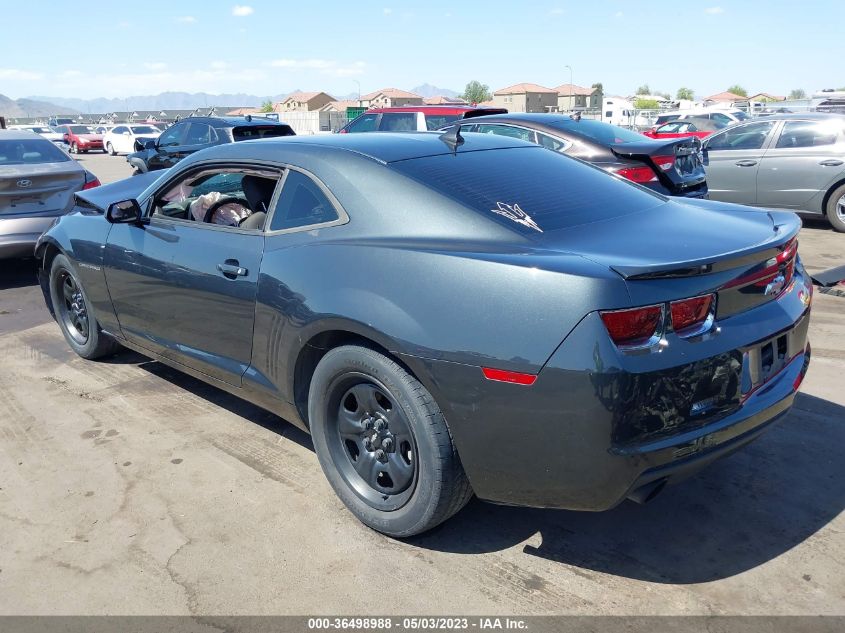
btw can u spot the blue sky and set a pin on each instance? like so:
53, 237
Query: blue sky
266, 48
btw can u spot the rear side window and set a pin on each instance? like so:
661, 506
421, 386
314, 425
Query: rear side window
808, 134
261, 131
437, 121
301, 203
529, 189
398, 122
30, 152
199, 134
507, 130
751, 136
364, 123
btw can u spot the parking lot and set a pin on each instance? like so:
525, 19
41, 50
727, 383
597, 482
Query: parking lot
128, 487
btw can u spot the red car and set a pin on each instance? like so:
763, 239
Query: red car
413, 118
81, 138
682, 128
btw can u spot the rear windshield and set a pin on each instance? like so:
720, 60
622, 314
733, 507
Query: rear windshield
261, 131
530, 189
602, 133
30, 152
80, 129
437, 121
144, 129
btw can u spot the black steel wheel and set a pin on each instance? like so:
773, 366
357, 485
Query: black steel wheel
73, 312
383, 443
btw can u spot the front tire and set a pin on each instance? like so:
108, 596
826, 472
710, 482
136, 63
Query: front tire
74, 314
110, 150
836, 209
383, 443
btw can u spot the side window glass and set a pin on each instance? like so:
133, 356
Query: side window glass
198, 134
172, 135
807, 134
507, 130
119, 130
549, 142
398, 122
721, 118
364, 123
301, 203
751, 136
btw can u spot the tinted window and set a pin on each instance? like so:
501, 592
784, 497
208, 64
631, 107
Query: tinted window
398, 122
172, 136
436, 121
79, 129
603, 133
741, 116
721, 118
198, 134
364, 123
261, 131
751, 136
808, 134
528, 189
301, 203
144, 129
550, 142
120, 129
30, 151
507, 130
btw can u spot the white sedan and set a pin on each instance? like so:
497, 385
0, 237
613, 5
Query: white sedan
121, 138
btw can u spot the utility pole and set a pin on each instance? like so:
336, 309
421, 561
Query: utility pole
570, 85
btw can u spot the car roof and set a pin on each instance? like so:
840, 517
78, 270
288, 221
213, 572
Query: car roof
384, 147
19, 135
786, 116
231, 121
429, 109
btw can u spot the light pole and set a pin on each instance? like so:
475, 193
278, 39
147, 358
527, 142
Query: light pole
570, 85
358, 83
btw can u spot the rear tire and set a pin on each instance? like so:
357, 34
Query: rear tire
110, 149
383, 443
836, 209
74, 314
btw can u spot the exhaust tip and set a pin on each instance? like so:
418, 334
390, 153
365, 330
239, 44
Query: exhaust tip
647, 492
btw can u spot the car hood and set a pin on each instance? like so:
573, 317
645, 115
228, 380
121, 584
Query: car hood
128, 188
676, 237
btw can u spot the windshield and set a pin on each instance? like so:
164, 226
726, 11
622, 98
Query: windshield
740, 115
144, 129
30, 152
602, 133
40, 130
79, 129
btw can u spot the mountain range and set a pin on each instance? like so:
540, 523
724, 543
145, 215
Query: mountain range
41, 106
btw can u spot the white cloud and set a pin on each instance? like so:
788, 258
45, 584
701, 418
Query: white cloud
186, 19
220, 65
387, 10
15, 74
155, 65
556, 11
324, 66
242, 10
618, 14
123, 25
714, 10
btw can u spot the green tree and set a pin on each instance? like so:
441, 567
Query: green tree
798, 93
646, 104
598, 86
476, 92
685, 93
267, 106
644, 90
738, 90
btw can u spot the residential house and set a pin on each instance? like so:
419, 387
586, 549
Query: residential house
390, 98
526, 97
243, 111
572, 97
724, 99
303, 102
765, 96
339, 106
441, 100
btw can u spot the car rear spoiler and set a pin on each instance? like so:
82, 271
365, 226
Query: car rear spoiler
675, 146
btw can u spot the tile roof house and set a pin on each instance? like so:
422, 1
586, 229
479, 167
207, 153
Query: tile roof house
303, 102
725, 97
526, 97
765, 96
339, 106
390, 98
243, 111
441, 100
571, 96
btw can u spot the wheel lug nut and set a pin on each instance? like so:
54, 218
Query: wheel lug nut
368, 423
381, 455
380, 425
387, 443
368, 443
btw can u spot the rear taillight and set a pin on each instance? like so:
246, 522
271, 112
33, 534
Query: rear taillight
634, 327
690, 315
90, 184
664, 162
640, 175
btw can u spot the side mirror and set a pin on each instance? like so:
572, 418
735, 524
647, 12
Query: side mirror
151, 144
124, 212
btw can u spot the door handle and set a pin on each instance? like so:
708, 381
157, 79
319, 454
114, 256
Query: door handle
831, 162
746, 163
232, 269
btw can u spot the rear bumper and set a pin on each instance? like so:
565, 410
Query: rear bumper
19, 235
593, 428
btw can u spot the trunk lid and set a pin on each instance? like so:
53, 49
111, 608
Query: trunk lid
684, 169
39, 188
128, 188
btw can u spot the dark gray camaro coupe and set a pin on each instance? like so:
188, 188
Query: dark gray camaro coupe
446, 315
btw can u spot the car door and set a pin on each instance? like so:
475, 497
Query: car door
732, 159
804, 161
185, 288
167, 147
118, 138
